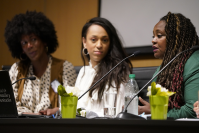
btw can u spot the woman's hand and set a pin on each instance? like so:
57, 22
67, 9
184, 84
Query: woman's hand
32, 113
196, 108
49, 111
146, 108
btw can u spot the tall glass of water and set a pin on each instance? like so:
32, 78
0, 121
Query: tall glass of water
110, 101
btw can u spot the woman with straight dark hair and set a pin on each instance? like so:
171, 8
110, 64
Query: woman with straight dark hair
102, 48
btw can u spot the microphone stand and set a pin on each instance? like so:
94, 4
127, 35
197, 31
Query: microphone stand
31, 78
135, 53
124, 114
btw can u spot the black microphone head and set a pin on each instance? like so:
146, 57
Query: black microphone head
32, 78
196, 47
136, 53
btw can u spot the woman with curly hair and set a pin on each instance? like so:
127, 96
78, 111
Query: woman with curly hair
31, 38
173, 34
103, 49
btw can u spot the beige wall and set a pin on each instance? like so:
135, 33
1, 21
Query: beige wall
145, 61
68, 16
8, 8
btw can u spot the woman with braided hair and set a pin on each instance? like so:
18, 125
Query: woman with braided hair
173, 34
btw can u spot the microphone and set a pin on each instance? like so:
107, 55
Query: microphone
135, 53
31, 78
124, 114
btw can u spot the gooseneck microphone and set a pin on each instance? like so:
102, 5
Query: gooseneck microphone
31, 78
134, 54
124, 114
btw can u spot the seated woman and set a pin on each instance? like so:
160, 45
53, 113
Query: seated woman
103, 49
32, 39
173, 34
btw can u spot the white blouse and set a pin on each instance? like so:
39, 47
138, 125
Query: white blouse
91, 103
35, 95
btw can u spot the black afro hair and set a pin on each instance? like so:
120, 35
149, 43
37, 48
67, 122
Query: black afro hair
31, 22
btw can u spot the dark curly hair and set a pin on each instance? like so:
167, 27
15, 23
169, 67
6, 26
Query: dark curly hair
115, 54
180, 35
31, 22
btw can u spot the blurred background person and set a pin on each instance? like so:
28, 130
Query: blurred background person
173, 34
31, 38
103, 49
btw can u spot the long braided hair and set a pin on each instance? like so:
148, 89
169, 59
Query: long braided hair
180, 35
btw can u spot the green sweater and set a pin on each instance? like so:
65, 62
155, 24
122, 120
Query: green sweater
189, 88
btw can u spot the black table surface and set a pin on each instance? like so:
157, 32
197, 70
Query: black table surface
37, 125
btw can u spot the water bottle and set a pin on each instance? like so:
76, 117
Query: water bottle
131, 89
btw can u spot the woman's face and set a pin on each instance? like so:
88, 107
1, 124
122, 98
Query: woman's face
97, 43
159, 40
33, 47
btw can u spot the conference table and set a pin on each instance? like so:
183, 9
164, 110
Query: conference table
100, 125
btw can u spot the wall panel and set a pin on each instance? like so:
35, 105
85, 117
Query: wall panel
8, 9
68, 16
